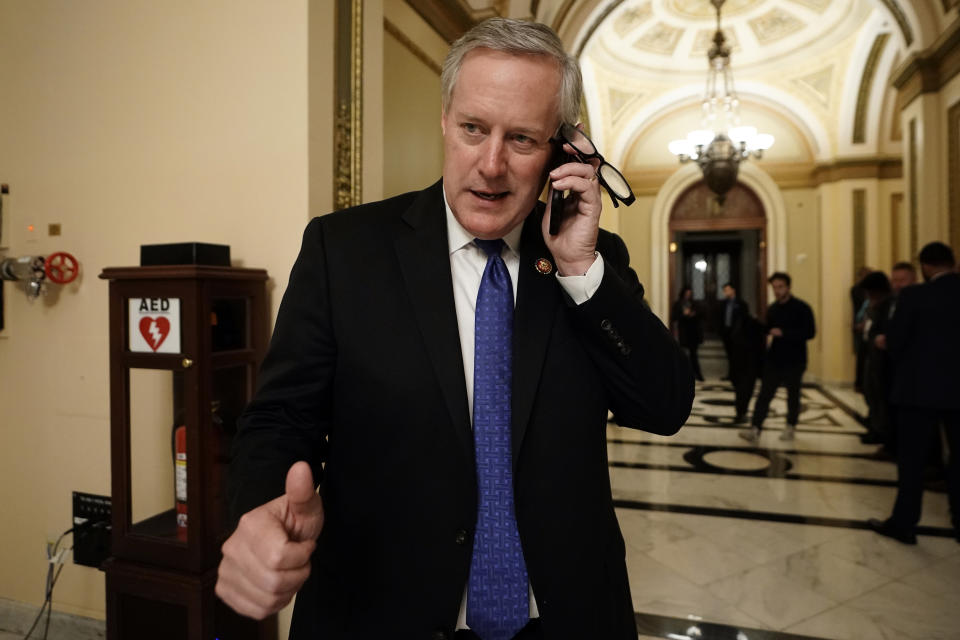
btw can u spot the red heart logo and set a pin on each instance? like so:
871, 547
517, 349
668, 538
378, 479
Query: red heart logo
154, 330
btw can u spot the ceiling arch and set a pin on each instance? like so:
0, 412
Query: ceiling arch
802, 60
667, 106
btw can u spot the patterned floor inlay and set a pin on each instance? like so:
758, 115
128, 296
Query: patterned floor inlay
771, 542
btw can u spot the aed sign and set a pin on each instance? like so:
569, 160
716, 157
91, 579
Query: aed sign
154, 325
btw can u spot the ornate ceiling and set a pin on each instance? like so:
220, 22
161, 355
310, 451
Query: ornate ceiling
798, 65
816, 73
657, 35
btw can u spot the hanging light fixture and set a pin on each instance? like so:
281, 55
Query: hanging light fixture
722, 143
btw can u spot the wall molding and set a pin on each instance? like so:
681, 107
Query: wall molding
866, 84
787, 175
451, 18
897, 12
348, 105
881, 168
912, 202
859, 230
929, 70
953, 169
411, 46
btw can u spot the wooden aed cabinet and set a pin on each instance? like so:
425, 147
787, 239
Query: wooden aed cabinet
185, 343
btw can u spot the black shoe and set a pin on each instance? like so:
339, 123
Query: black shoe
884, 528
740, 419
882, 454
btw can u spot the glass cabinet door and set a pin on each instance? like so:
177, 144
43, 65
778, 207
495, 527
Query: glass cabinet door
158, 455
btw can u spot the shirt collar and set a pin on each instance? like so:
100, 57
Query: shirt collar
458, 237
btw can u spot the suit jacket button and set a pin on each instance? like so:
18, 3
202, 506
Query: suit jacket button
461, 537
440, 634
606, 325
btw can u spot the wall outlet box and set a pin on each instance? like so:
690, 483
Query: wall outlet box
92, 518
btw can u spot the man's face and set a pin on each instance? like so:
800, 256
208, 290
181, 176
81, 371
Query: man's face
781, 290
900, 278
729, 292
496, 133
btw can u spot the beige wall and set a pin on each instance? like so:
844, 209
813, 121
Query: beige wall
804, 263
413, 145
129, 122
634, 227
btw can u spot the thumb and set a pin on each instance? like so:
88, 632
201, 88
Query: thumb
304, 508
299, 488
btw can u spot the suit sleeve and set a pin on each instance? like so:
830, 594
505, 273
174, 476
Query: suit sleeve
808, 329
290, 413
901, 325
647, 376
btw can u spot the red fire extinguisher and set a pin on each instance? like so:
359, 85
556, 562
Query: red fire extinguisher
180, 477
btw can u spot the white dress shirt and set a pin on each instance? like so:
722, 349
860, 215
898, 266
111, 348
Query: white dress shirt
467, 262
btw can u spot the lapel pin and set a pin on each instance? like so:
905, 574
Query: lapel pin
543, 266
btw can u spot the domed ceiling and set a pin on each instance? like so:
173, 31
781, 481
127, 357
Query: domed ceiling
798, 64
676, 34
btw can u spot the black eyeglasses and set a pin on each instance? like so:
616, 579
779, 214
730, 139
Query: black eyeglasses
611, 179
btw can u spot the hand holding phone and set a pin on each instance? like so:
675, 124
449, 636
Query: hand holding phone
559, 211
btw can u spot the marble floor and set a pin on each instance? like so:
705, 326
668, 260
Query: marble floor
729, 540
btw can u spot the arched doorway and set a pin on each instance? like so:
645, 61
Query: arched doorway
711, 245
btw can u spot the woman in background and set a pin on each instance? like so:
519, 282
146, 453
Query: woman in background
687, 327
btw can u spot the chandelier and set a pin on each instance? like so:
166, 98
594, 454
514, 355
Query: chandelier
722, 143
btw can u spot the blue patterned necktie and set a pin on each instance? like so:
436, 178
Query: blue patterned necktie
498, 597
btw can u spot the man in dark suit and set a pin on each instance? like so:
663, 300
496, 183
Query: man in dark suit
924, 342
902, 275
732, 312
377, 365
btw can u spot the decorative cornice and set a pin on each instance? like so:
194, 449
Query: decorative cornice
929, 70
858, 169
411, 46
562, 14
901, 19
451, 18
787, 175
596, 25
866, 84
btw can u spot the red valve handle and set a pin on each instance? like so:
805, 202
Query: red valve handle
61, 267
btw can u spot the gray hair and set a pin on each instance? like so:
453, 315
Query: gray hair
517, 37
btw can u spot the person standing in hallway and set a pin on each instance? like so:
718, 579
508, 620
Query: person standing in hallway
924, 342
688, 328
747, 344
858, 297
731, 313
789, 326
442, 366
877, 287
902, 275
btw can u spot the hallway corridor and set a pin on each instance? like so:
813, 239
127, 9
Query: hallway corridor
772, 541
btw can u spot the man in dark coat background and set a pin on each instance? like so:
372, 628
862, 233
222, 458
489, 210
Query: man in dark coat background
923, 339
744, 343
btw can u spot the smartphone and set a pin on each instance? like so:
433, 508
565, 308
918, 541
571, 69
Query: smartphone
558, 199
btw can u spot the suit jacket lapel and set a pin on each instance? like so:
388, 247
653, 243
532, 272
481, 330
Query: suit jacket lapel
420, 251
537, 299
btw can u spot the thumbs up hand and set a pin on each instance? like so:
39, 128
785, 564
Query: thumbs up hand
267, 559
